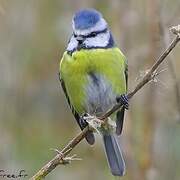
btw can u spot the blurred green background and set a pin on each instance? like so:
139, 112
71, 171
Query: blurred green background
34, 115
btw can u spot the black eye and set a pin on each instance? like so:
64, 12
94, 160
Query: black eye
75, 35
93, 34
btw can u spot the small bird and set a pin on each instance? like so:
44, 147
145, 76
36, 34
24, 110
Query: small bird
93, 75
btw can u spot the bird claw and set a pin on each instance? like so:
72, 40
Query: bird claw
83, 120
124, 100
93, 122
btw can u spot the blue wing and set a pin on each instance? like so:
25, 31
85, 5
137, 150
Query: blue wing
120, 114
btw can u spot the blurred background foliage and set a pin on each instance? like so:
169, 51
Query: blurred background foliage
34, 115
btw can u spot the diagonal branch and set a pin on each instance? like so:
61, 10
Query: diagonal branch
150, 75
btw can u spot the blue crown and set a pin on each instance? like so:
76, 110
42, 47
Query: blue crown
86, 18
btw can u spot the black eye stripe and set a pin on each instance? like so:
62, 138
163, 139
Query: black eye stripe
92, 34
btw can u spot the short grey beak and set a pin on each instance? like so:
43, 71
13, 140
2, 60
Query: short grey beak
80, 39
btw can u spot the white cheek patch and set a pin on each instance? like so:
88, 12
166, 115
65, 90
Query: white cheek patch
99, 26
101, 40
73, 43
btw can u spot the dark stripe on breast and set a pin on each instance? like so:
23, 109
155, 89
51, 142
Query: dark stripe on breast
94, 78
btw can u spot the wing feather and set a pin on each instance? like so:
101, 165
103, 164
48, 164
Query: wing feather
90, 136
120, 113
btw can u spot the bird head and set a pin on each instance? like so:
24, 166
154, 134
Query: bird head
90, 30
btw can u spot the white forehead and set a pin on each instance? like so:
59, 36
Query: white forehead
99, 26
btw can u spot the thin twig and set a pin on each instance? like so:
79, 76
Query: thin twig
172, 70
58, 159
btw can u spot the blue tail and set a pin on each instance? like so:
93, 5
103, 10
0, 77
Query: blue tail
114, 155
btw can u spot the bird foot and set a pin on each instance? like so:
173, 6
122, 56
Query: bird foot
83, 120
93, 122
124, 100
